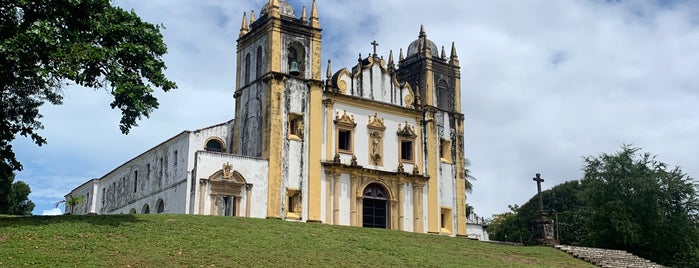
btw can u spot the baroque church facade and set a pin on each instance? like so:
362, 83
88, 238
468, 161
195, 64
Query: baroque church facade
378, 145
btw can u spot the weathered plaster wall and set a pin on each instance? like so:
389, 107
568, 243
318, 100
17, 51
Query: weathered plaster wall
253, 170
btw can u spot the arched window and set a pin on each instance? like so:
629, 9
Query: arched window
259, 63
145, 209
445, 96
132, 211
295, 58
159, 206
247, 68
214, 145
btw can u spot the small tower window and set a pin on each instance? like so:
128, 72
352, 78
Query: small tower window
445, 96
247, 68
258, 63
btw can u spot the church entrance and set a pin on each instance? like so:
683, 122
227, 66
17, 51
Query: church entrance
375, 210
226, 205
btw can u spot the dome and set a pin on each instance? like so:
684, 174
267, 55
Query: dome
284, 8
414, 47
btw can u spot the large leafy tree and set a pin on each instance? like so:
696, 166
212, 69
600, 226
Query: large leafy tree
637, 203
14, 196
46, 45
627, 200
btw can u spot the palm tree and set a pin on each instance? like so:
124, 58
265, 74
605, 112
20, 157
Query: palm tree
71, 201
468, 176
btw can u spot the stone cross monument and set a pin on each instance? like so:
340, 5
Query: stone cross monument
542, 225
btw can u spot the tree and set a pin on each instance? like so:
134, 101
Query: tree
47, 44
71, 202
637, 203
468, 176
14, 196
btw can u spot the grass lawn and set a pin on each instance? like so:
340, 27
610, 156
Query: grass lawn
167, 240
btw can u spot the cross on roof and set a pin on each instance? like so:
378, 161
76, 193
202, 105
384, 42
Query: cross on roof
375, 45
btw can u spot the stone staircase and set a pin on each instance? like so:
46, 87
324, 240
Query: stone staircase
607, 258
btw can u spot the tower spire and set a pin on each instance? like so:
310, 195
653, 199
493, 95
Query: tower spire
453, 59
390, 58
444, 54
315, 23
400, 55
252, 16
328, 73
303, 15
422, 31
244, 25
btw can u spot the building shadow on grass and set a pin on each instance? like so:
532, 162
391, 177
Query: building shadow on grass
106, 220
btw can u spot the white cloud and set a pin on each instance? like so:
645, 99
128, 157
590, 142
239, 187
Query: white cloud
625, 73
52, 212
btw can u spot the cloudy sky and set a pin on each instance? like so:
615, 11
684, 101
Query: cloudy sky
544, 83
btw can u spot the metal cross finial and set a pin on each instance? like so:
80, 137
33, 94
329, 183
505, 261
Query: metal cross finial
539, 180
375, 45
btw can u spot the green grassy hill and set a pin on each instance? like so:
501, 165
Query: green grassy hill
204, 241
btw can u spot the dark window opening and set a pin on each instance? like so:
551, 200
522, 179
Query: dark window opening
135, 180
259, 63
160, 206
247, 68
406, 150
445, 96
214, 146
344, 141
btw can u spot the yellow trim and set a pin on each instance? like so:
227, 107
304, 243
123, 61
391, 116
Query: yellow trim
432, 171
315, 149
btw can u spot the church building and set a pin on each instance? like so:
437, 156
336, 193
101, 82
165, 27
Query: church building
379, 145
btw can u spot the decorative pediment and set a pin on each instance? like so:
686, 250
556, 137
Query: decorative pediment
345, 120
407, 131
376, 123
227, 175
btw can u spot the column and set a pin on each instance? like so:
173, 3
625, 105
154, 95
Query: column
336, 199
417, 208
248, 199
328, 198
394, 218
401, 199
202, 196
353, 200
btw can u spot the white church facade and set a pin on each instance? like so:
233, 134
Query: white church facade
378, 145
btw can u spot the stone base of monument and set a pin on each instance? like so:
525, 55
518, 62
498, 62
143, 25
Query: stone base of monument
542, 231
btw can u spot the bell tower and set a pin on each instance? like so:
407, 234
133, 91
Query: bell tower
436, 80
278, 94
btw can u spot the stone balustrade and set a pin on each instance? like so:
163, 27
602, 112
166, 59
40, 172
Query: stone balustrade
607, 258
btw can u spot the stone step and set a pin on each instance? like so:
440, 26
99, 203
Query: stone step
609, 258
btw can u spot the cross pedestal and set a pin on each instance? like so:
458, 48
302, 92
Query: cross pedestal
542, 225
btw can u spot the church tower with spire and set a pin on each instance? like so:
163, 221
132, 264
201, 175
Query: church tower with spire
436, 80
278, 96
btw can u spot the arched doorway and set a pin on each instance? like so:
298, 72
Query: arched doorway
159, 206
145, 209
375, 207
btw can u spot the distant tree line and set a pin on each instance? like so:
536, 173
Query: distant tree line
627, 200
